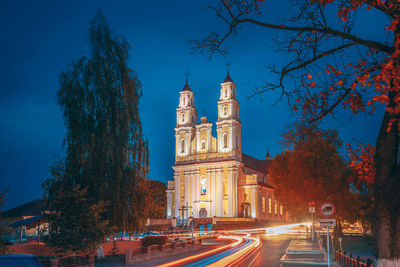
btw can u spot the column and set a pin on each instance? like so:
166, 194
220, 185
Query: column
187, 194
197, 193
253, 202
169, 204
235, 187
192, 193
213, 193
177, 194
220, 192
230, 192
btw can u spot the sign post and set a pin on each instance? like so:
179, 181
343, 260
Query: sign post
327, 209
311, 209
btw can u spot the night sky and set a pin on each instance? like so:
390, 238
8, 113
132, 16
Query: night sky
41, 38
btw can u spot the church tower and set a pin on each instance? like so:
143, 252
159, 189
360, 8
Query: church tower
228, 124
186, 118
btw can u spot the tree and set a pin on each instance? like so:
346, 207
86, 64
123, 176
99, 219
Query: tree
156, 198
106, 154
78, 223
324, 81
3, 226
312, 171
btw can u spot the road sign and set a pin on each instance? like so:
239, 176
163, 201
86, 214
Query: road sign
327, 209
327, 222
311, 209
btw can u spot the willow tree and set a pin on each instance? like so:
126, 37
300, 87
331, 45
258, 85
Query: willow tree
317, 80
106, 153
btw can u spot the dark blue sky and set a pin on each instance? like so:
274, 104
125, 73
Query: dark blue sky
40, 38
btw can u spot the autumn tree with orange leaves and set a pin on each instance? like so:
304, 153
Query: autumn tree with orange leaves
323, 82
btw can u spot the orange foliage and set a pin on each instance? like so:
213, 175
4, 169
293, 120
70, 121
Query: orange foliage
362, 161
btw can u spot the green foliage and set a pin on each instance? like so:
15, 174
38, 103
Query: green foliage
154, 240
95, 190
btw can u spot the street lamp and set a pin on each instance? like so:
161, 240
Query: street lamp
340, 238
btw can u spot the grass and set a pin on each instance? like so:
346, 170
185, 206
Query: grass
357, 244
353, 244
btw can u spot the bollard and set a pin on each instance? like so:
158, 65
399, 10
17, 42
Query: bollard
91, 260
128, 254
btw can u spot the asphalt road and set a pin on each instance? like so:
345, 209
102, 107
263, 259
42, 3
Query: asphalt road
274, 246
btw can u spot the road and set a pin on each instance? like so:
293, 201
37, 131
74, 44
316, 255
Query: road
274, 246
243, 249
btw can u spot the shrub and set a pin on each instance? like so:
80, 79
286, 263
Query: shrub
154, 240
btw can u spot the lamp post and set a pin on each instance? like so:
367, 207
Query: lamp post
340, 238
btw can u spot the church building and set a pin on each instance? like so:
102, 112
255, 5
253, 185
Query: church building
212, 177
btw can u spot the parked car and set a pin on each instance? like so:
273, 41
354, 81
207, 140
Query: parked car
19, 260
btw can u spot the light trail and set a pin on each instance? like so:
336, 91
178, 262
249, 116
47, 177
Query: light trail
198, 256
222, 256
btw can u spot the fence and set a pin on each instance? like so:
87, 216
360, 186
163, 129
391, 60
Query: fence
73, 260
347, 260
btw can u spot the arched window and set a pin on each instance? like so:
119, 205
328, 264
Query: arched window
184, 100
182, 117
203, 185
263, 204
225, 93
225, 140
182, 145
225, 110
203, 144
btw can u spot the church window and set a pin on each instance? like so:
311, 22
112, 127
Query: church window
182, 117
225, 108
275, 207
203, 144
263, 204
281, 210
183, 146
225, 93
225, 140
184, 100
269, 205
203, 186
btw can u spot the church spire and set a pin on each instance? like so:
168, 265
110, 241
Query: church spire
228, 78
267, 157
186, 87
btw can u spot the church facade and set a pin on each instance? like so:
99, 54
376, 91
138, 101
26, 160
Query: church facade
212, 177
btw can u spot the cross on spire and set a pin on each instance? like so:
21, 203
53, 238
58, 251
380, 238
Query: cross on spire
187, 76
227, 67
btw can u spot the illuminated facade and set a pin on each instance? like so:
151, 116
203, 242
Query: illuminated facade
212, 177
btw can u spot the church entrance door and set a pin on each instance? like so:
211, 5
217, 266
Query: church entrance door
245, 210
203, 213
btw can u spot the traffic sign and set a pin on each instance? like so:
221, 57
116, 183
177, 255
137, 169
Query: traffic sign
327, 222
327, 209
311, 209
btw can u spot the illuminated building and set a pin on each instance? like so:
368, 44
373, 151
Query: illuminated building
212, 177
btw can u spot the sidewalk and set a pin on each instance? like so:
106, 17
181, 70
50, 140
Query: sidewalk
303, 252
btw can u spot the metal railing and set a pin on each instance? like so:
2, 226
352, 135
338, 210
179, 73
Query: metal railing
348, 261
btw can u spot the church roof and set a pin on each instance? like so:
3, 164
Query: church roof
186, 87
228, 78
255, 164
33, 208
